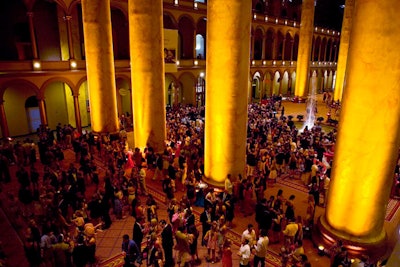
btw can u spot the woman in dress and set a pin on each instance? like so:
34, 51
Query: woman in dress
248, 200
227, 254
212, 237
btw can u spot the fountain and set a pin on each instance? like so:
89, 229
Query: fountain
311, 104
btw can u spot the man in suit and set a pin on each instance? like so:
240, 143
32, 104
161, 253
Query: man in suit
206, 219
138, 231
167, 242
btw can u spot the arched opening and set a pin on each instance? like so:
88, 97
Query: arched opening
200, 46
268, 85
269, 46
276, 84
32, 113
200, 92
256, 87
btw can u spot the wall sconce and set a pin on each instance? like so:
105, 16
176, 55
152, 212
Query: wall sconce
276, 21
36, 65
72, 64
266, 18
255, 16
195, 5
264, 62
285, 21
202, 74
176, 2
338, 33
291, 63
196, 62
283, 63
274, 62
177, 62
322, 30
294, 24
253, 62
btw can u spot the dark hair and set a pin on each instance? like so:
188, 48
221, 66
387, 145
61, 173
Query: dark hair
263, 232
125, 237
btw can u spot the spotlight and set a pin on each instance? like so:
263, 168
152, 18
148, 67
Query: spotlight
73, 64
321, 250
36, 65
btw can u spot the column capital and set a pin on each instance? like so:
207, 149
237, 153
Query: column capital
67, 17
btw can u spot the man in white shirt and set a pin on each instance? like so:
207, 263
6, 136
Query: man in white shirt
261, 249
249, 234
244, 253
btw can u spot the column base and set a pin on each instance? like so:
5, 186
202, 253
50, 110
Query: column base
324, 235
219, 186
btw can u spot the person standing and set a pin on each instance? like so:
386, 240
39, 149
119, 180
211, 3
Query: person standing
166, 239
261, 249
138, 231
244, 253
227, 254
142, 180
206, 220
131, 251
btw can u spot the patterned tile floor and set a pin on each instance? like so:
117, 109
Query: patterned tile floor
109, 241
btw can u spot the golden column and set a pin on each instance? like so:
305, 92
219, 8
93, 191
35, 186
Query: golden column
32, 35
100, 65
368, 135
305, 45
3, 120
68, 19
42, 110
343, 49
77, 112
227, 80
147, 73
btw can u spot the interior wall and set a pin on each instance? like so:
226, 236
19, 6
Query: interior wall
14, 105
69, 100
56, 106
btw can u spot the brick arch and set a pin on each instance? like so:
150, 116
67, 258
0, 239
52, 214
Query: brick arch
18, 82
57, 79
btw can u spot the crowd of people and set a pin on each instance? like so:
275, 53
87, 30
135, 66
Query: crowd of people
60, 209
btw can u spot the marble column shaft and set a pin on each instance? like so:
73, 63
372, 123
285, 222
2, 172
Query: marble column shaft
3, 120
147, 73
77, 112
227, 80
343, 50
42, 111
368, 135
305, 47
100, 65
